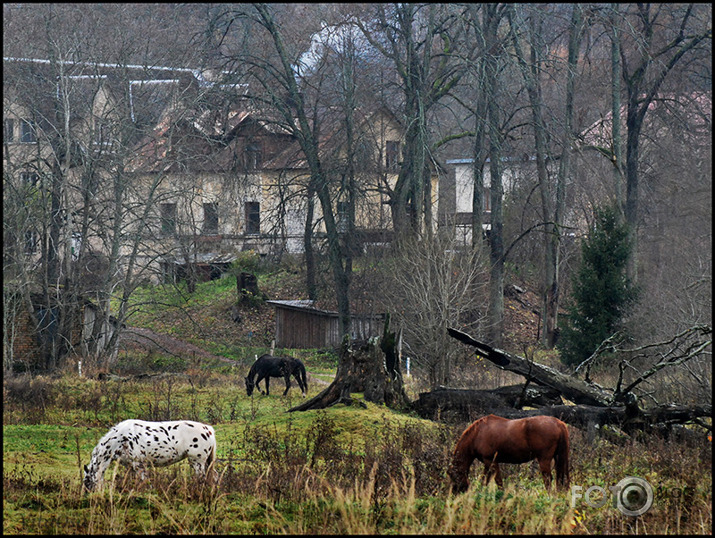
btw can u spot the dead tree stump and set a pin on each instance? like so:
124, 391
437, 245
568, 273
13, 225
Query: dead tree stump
361, 368
247, 285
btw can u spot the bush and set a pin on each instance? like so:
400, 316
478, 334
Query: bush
248, 261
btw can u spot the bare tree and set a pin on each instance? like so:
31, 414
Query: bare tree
93, 217
418, 40
552, 191
660, 37
431, 285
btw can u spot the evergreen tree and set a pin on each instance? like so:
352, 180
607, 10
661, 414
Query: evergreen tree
601, 292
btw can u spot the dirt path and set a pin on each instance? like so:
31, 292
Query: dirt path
138, 338
147, 340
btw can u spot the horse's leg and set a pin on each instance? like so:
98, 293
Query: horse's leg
201, 468
497, 475
139, 470
489, 471
268, 378
300, 382
545, 467
287, 378
259, 379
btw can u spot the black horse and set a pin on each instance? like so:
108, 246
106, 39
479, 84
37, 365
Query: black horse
268, 366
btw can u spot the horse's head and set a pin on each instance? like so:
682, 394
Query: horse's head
249, 386
90, 481
459, 479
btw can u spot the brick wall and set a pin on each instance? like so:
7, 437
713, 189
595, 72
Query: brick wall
25, 346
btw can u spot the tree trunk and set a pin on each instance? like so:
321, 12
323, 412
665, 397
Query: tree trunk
496, 240
457, 405
596, 405
367, 367
310, 271
571, 388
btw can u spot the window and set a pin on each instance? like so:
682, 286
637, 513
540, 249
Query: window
210, 219
29, 178
9, 131
27, 131
101, 132
254, 156
168, 219
253, 218
392, 155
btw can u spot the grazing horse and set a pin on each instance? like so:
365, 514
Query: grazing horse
268, 366
494, 440
137, 443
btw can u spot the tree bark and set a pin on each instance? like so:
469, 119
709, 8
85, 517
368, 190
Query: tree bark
595, 405
369, 367
458, 405
571, 388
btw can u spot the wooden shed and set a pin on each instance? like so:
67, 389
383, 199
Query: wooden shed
300, 325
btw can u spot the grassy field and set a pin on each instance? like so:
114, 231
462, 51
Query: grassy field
345, 470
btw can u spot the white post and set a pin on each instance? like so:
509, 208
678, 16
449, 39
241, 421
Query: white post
79, 367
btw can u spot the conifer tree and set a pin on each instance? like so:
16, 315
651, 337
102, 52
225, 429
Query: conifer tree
602, 292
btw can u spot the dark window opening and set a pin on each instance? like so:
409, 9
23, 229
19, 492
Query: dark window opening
392, 155
27, 131
102, 132
9, 131
168, 219
254, 156
210, 219
253, 218
29, 178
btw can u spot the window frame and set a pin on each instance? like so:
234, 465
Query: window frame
8, 126
392, 154
211, 220
252, 213
28, 132
253, 155
168, 218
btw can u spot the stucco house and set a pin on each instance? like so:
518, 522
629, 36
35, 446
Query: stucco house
203, 173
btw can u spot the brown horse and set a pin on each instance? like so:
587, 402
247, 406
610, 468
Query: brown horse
494, 440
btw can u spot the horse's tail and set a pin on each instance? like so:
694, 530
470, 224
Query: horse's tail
210, 472
562, 459
304, 377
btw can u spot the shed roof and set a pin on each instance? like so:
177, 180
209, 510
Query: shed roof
307, 305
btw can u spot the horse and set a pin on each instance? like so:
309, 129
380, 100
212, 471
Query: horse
268, 366
138, 443
494, 440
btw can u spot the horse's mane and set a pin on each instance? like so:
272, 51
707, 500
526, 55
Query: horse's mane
471, 431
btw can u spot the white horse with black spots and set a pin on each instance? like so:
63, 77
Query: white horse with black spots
137, 443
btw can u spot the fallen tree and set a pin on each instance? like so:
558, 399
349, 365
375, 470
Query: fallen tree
593, 406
